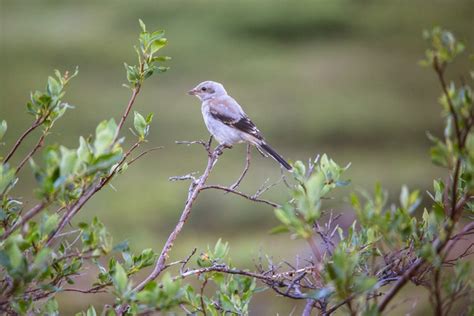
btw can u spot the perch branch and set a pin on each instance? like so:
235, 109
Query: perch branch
195, 188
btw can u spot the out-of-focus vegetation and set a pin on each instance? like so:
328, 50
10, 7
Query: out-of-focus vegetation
338, 77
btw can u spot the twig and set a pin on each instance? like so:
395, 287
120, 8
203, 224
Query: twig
439, 69
144, 153
203, 306
38, 145
248, 197
37, 123
135, 92
308, 307
246, 168
185, 261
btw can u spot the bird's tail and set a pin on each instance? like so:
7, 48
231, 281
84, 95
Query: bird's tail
269, 150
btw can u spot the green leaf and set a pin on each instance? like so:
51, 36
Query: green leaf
140, 124
149, 118
279, 229
142, 25
84, 152
169, 286
104, 136
119, 278
220, 249
68, 163
91, 311
158, 44
3, 129
50, 223
53, 87
14, 254
105, 161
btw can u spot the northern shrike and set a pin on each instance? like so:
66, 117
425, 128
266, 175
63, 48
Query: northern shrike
226, 120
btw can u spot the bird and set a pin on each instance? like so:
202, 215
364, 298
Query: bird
227, 122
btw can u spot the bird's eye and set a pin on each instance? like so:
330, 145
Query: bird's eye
203, 88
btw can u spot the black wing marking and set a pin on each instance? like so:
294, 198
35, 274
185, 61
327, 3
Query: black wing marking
243, 124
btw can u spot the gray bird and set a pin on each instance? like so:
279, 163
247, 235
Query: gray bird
227, 122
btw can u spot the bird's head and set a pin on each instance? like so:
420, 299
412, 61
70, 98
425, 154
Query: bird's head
207, 90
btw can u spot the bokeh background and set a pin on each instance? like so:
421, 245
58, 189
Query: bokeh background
336, 77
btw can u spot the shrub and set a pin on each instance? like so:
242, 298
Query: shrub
359, 270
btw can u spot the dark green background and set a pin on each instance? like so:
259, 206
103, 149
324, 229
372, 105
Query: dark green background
335, 77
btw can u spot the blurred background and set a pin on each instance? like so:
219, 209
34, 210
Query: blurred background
336, 77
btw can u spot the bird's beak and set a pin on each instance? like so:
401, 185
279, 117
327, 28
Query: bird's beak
192, 92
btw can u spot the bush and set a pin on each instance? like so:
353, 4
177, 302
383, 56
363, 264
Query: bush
359, 270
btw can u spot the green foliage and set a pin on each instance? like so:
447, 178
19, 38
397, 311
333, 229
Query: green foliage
40, 258
148, 62
37, 257
312, 185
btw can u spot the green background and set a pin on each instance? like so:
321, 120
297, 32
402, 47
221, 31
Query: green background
336, 77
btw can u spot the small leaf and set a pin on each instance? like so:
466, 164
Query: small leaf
3, 129
120, 278
142, 25
140, 124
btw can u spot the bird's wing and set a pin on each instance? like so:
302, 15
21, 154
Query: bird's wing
229, 112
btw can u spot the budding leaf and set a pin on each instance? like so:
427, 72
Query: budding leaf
3, 129
120, 278
140, 124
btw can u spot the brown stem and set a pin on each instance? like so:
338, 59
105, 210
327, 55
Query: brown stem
135, 92
37, 123
203, 306
246, 168
38, 145
439, 69
248, 197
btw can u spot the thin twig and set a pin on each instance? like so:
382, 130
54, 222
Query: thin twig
35, 125
135, 92
144, 153
248, 197
246, 168
38, 145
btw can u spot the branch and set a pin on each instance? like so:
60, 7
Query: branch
456, 206
438, 245
195, 189
246, 168
143, 154
38, 145
439, 69
308, 308
248, 197
135, 92
37, 123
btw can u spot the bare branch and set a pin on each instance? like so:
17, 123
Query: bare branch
38, 145
144, 153
253, 198
35, 125
195, 188
246, 168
